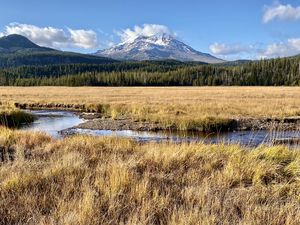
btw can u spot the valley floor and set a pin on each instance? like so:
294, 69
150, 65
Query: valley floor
94, 180
181, 108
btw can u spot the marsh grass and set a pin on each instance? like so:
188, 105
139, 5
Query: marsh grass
10, 116
101, 180
180, 108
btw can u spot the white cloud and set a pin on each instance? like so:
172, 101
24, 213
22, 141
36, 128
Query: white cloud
54, 37
146, 30
281, 12
235, 51
225, 49
84, 38
111, 44
289, 48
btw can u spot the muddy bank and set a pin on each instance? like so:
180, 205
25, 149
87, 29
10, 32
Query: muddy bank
245, 124
120, 124
284, 124
54, 106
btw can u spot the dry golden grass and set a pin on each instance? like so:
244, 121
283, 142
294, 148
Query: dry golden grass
193, 101
185, 108
93, 180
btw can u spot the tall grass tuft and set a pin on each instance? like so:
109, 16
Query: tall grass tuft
13, 117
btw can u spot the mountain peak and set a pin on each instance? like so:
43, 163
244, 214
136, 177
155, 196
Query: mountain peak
15, 40
17, 43
156, 47
160, 39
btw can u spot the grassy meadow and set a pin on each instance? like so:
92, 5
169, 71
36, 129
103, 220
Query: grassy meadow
107, 180
184, 108
94, 180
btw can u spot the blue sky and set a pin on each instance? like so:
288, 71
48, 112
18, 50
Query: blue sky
230, 29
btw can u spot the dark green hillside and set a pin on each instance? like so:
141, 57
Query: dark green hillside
49, 58
16, 50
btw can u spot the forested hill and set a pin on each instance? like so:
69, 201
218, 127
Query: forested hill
49, 58
16, 50
285, 71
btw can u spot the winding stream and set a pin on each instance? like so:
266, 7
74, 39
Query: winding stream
55, 123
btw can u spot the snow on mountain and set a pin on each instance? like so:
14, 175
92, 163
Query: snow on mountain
157, 47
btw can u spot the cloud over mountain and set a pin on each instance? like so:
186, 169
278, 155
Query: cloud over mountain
54, 37
147, 30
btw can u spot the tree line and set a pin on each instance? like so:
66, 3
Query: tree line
274, 72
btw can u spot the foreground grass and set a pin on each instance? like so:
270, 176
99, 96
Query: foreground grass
182, 108
93, 180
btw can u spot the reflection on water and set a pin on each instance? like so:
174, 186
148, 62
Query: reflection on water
248, 138
53, 122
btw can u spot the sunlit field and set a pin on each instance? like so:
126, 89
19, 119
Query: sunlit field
183, 107
207, 101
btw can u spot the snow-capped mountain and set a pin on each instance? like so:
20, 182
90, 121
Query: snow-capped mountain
156, 47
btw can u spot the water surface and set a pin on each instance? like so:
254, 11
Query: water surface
54, 122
